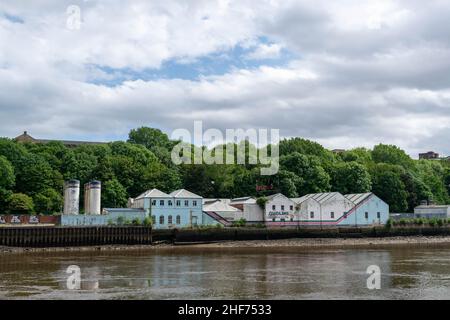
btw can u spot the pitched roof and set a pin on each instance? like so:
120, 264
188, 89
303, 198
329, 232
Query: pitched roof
319, 197
154, 193
183, 193
219, 206
357, 198
243, 200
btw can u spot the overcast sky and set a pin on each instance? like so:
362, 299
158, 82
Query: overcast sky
343, 73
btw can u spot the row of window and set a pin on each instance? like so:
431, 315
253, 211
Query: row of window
177, 203
169, 219
274, 207
366, 214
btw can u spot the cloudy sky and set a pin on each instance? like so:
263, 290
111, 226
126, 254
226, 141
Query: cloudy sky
344, 73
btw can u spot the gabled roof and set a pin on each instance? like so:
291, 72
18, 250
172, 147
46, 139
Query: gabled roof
183, 193
273, 196
219, 206
243, 200
154, 193
319, 197
212, 200
357, 198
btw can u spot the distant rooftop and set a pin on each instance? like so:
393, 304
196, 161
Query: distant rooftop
25, 137
154, 193
183, 193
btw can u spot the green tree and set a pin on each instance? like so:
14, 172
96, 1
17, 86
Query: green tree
388, 185
48, 202
392, 155
351, 177
7, 178
33, 173
19, 203
114, 194
313, 176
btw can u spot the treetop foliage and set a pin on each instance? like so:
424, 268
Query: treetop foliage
32, 175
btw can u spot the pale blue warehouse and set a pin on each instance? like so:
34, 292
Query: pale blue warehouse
368, 210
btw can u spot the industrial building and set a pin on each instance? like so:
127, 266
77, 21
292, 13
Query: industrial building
184, 209
431, 210
320, 209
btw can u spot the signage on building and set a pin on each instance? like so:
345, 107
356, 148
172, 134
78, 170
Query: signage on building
34, 219
278, 213
264, 188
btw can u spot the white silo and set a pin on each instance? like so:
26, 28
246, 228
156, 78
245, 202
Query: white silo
94, 197
71, 196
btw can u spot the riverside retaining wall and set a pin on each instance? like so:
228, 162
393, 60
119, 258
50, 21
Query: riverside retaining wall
130, 235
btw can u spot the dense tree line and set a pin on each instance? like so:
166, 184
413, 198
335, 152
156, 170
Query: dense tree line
32, 175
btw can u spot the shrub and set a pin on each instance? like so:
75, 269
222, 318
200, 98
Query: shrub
240, 223
432, 222
389, 223
440, 222
136, 222
120, 221
261, 202
147, 222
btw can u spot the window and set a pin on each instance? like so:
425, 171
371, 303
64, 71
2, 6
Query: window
273, 219
366, 215
332, 215
178, 203
292, 219
378, 215
291, 208
153, 219
178, 220
161, 202
194, 203
161, 219
282, 208
274, 208
169, 220
153, 202
169, 203
186, 203
283, 220
311, 214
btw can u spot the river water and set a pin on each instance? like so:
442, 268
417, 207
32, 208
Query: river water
420, 273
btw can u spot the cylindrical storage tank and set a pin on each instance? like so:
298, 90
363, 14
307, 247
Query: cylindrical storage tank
71, 196
95, 197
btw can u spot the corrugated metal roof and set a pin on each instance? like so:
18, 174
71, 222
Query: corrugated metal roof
183, 193
219, 206
154, 193
357, 198
243, 200
319, 197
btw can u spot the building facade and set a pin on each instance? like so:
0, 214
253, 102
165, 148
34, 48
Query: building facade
432, 211
180, 209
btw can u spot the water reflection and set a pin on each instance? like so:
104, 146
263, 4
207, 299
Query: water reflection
229, 274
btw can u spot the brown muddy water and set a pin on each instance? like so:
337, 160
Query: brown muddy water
406, 273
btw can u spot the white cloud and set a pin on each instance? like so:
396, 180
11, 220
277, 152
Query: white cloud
366, 72
265, 51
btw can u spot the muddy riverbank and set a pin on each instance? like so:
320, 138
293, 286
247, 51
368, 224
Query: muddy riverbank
255, 245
